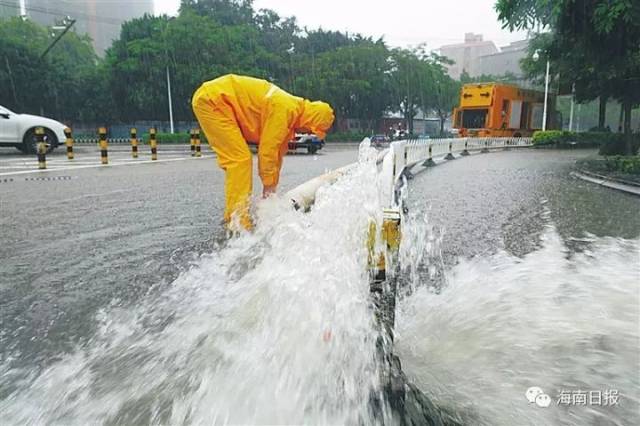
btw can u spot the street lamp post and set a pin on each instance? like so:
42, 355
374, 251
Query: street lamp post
536, 56
573, 96
166, 55
170, 102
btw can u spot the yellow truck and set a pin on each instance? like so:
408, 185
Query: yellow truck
497, 109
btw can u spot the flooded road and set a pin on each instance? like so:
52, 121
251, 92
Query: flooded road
120, 304
528, 278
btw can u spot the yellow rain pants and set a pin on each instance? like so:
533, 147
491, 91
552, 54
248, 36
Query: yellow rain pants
234, 109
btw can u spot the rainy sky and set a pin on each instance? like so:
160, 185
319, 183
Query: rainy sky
403, 23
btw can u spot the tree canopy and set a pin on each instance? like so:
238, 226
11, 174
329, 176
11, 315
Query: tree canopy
594, 45
360, 77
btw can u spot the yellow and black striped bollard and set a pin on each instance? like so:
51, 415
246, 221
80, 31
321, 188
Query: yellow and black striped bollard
104, 156
192, 142
68, 142
154, 143
134, 142
42, 148
466, 146
197, 136
450, 154
429, 161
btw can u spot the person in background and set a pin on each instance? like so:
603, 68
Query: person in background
233, 109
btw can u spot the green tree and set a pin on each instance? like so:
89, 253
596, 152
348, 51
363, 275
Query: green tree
225, 12
354, 79
417, 80
55, 85
446, 94
595, 42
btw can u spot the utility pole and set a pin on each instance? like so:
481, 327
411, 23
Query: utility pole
546, 96
170, 102
573, 95
67, 23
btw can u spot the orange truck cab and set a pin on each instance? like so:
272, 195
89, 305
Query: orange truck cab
496, 109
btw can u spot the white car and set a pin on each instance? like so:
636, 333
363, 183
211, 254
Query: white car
19, 130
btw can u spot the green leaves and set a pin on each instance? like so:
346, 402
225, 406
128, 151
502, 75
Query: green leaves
52, 86
359, 76
594, 45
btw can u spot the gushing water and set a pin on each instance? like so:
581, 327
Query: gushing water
275, 327
567, 322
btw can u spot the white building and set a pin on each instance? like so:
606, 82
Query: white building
100, 19
507, 60
465, 55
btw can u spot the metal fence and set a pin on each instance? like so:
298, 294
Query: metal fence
403, 155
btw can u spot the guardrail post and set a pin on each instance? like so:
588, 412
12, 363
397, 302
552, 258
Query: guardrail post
104, 156
450, 154
192, 142
68, 142
485, 149
383, 284
154, 143
383, 291
507, 144
133, 136
466, 146
197, 141
429, 161
41, 148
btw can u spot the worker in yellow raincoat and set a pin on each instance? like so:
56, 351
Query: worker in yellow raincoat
233, 109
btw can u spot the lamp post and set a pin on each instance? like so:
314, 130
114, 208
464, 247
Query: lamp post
66, 25
573, 96
166, 54
536, 56
170, 102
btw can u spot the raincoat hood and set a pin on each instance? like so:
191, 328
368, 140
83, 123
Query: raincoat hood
317, 117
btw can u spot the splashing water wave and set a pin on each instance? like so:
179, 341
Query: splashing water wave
559, 320
275, 327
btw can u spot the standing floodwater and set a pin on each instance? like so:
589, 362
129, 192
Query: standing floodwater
502, 292
526, 278
273, 327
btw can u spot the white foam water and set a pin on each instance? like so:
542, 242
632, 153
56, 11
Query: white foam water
274, 328
553, 319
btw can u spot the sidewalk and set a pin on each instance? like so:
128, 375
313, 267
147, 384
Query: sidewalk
608, 182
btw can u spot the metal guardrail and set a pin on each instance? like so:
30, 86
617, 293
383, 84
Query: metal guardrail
410, 152
384, 238
405, 154
97, 140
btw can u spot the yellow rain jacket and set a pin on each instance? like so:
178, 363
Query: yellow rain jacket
233, 109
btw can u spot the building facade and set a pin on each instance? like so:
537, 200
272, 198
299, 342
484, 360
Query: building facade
465, 55
9, 9
100, 19
506, 61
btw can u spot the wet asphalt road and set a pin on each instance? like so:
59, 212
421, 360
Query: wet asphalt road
110, 235
76, 240
504, 200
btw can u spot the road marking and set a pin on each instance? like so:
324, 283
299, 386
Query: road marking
95, 166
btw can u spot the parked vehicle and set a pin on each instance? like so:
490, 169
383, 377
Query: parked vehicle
497, 109
379, 140
311, 142
19, 130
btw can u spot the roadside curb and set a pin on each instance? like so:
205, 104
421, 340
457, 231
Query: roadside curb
608, 182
